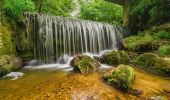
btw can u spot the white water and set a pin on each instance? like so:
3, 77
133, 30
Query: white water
52, 37
66, 66
14, 75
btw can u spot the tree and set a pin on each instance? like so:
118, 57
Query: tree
54, 7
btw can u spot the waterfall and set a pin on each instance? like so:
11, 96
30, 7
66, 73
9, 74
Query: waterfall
51, 37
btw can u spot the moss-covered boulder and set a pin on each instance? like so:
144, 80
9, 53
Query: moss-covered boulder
84, 64
114, 58
122, 77
153, 63
140, 43
9, 64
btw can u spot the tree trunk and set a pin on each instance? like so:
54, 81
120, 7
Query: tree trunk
126, 12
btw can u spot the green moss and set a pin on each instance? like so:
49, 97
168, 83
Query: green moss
115, 58
153, 63
140, 43
122, 77
84, 64
162, 34
164, 50
7, 40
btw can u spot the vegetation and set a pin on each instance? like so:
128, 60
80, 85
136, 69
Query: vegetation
162, 34
164, 50
102, 11
13, 9
140, 43
122, 77
152, 62
150, 12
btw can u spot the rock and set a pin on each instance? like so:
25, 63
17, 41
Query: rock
157, 98
140, 43
84, 64
9, 64
115, 58
122, 77
153, 63
136, 92
3, 71
5, 60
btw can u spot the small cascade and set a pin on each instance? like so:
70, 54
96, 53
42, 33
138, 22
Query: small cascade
53, 39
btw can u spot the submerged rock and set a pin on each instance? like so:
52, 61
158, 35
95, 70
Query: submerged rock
153, 63
9, 64
114, 58
157, 98
84, 64
122, 77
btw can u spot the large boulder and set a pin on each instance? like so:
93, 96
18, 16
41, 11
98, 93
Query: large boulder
84, 64
114, 58
122, 77
9, 64
153, 63
140, 43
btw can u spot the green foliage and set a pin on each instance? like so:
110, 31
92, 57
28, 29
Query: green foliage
115, 58
102, 11
140, 43
14, 8
164, 50
122, 77
153, 63
163, 34
149, 12
54, 7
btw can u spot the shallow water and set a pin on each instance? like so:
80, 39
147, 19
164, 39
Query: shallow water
42, 84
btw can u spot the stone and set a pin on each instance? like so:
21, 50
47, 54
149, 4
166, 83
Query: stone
84, 64
114, 58
121, 77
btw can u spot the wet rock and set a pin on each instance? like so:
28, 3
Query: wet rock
3, 71
153, 63
136, 92
114, 58
84, 64
122, 77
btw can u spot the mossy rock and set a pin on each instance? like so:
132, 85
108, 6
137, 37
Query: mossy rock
115, 58
140, 43
3, 71
84, 64
122, 77
5, 59
9, 64
153, 63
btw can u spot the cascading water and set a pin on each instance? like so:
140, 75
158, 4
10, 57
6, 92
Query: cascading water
53, 39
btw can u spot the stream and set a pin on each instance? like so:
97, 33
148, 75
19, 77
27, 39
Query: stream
45, 84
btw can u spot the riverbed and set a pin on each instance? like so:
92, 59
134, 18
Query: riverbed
44, 84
